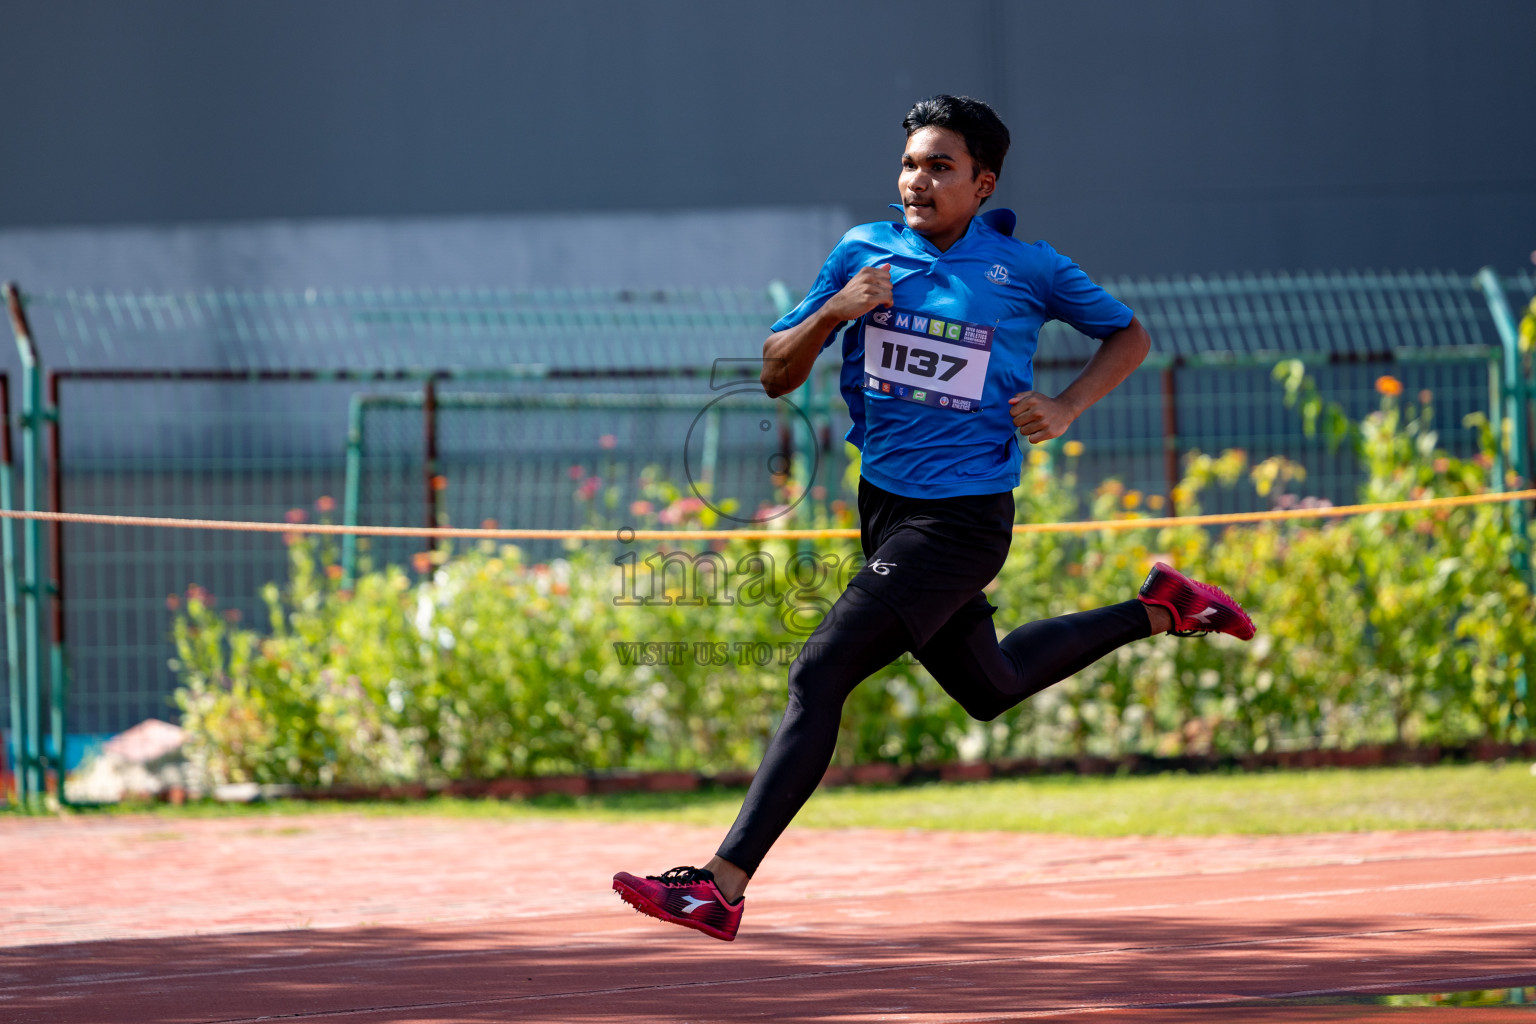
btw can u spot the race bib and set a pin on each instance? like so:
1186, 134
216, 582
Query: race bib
922, 359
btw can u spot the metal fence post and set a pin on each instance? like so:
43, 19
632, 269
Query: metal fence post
356, 408
12, 609
58, 664
1169, 375
1511, 398
31, 765
429, 439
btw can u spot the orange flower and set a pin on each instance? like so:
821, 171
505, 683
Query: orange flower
488, 524
439, 483
421, 561
325, 503
1389, 385
640, 508
333, 571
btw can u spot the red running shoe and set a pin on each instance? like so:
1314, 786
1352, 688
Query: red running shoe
685, 896
1197, 608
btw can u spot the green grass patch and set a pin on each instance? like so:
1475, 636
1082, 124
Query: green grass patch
1478, 796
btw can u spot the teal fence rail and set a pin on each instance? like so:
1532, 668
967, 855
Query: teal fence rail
414, 407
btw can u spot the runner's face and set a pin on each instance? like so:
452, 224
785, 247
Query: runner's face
939, 195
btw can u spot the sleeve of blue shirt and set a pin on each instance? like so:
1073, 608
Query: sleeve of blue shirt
1083, 304
829, 281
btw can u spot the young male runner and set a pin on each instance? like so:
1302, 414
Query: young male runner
937, 374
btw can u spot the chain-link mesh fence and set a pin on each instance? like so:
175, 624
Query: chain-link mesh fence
463, 406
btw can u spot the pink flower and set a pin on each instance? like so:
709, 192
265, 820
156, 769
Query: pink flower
680, 510
767, 513
294, 515
640, 508
607, 441
325, 503
576, 472
589, 488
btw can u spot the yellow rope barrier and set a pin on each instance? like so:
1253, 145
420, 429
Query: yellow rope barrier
627, 534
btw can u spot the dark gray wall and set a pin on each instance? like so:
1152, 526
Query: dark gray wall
1180, 136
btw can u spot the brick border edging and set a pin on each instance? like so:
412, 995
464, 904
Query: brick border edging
885, 773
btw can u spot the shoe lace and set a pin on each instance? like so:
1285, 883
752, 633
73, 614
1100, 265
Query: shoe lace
683, 876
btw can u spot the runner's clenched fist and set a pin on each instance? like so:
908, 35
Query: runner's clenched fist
869, 288
1040, 417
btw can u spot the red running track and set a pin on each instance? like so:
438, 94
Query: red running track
345, 917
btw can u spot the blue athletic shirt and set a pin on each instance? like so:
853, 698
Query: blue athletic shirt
929, 397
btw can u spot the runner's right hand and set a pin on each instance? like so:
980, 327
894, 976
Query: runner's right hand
869, 288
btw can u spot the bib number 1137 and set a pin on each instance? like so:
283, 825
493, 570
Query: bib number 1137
919, 361
923, 359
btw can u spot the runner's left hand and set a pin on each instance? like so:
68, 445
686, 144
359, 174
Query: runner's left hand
1040, 417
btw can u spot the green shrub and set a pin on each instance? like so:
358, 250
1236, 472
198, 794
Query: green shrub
1388, 627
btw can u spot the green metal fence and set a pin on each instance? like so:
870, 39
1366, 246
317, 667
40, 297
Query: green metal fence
415, 407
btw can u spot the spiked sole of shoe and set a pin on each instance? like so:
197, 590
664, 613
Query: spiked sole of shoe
646, 907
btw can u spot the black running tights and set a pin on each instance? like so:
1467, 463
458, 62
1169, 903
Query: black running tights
860, 636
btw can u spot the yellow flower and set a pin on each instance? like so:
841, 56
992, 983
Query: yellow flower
1132, 499
1073, 449
1038, 457
1389, 385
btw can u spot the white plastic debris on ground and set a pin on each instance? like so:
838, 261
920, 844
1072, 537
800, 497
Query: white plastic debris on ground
144, 761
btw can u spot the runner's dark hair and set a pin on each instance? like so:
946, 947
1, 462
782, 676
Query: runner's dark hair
986, 137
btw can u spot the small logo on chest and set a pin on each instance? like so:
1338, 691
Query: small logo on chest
998, 274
